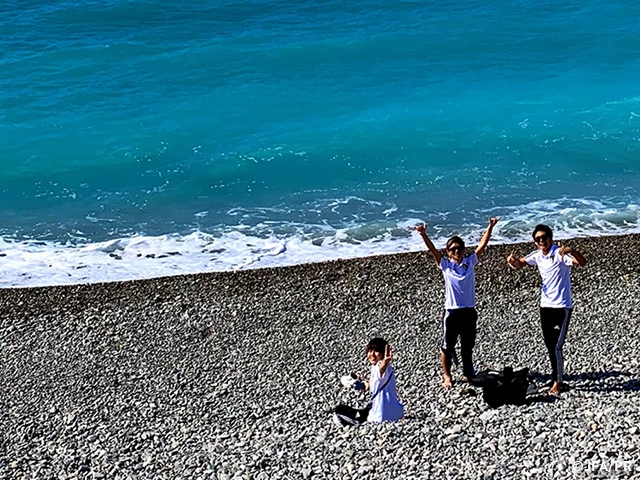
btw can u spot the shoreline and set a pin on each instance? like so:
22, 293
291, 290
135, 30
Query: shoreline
233, 373
29, 264
419, 249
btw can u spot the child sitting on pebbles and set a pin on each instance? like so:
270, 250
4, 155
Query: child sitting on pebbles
384, 404
460, 316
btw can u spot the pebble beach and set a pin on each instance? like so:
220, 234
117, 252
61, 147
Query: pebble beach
233, 375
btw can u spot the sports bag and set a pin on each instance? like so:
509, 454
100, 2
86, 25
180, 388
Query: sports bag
505, 387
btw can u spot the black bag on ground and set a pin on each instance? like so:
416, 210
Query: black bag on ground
505, 387
346, 415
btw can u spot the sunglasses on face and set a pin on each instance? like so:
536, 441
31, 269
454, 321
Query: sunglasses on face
456, 249
541, 238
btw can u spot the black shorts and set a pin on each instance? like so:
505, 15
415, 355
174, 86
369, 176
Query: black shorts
346, 415
459, 322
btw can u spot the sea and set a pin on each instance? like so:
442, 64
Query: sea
144, 138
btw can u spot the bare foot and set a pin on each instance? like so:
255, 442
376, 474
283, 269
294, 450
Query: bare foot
446, 383
555, 389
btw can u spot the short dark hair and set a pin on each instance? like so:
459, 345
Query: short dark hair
455, 239
378, 344
542, 228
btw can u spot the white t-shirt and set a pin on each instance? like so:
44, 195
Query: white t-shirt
385, 406
459, 282
555, 271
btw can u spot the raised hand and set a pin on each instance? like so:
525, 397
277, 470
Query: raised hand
564, 249
576, 257
486, 236
388, 355
386, 360
421, 228
512, 260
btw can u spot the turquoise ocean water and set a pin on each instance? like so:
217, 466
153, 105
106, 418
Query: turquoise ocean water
145, 138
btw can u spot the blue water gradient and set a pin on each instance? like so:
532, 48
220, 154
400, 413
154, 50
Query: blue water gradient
315, 121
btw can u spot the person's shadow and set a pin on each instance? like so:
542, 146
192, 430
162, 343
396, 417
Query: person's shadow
603, 381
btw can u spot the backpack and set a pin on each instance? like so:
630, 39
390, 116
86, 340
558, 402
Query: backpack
505, 387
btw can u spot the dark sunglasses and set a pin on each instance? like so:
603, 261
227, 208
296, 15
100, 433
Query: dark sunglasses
456, 249
541, 238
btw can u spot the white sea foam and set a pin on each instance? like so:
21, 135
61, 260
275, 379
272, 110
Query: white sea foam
37, 263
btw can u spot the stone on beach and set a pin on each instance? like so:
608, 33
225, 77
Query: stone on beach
233, 375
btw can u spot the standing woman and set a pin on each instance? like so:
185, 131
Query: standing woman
553, 262
460, 316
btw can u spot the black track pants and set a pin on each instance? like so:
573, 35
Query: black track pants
460, 322
555, 322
